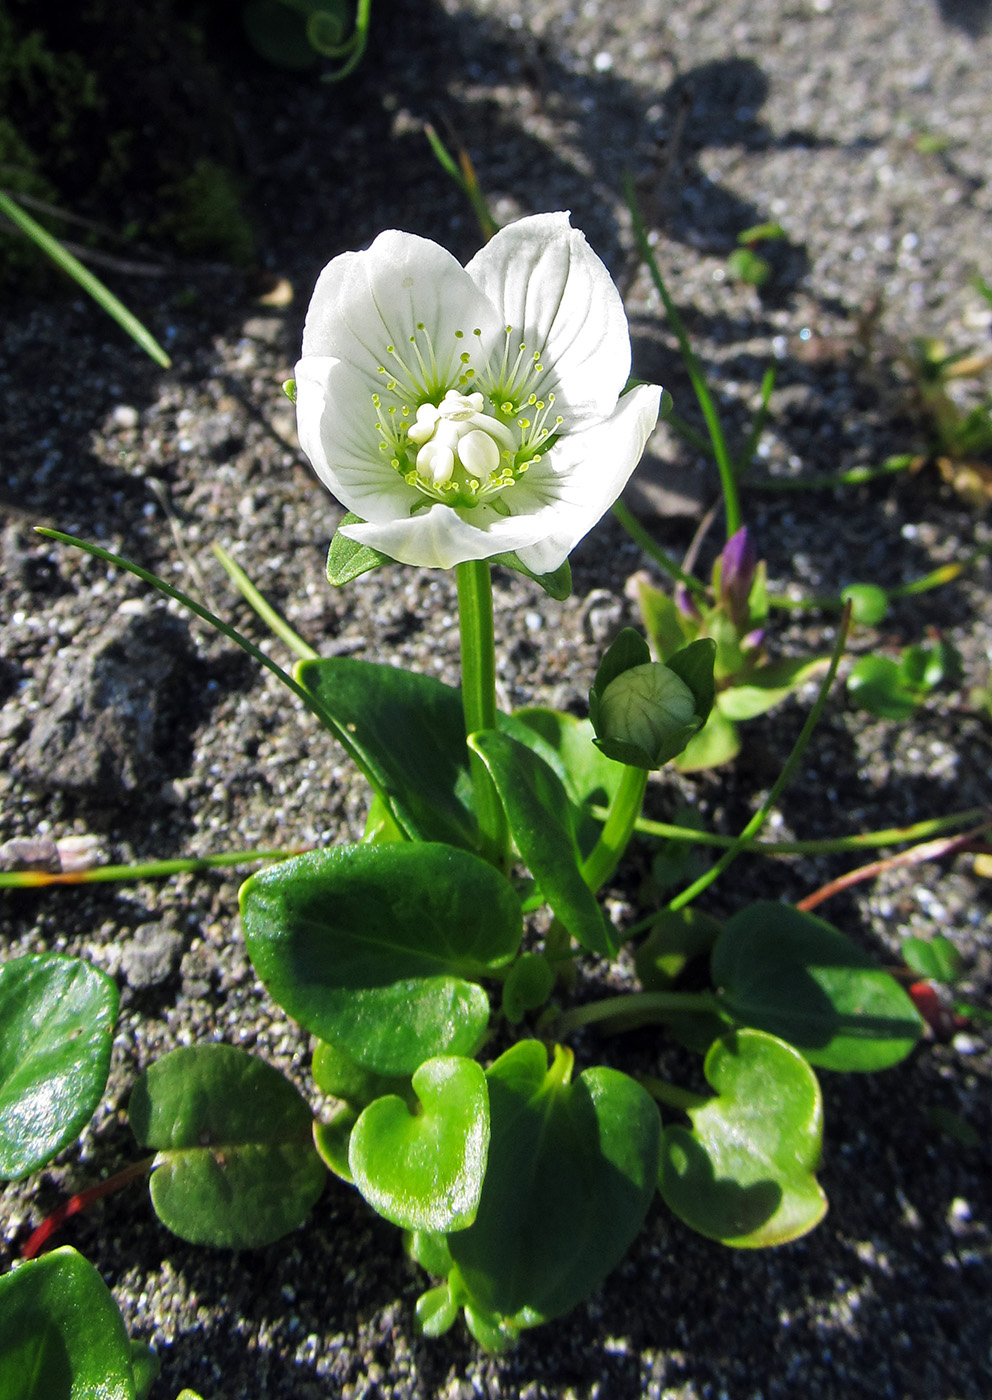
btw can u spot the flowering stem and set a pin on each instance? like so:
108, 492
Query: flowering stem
478, 646
721, 453
604, 857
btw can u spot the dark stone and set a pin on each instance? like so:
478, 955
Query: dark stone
111, 710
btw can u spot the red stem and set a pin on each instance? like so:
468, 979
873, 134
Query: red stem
74, 1204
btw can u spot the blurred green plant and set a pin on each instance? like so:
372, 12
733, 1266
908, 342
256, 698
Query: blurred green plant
296, 34
896, 689
747, 263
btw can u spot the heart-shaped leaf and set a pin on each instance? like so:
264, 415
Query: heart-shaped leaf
572, 1171
744, 1174
798, 977
56, 1029
424, 1171
61, 1333
539, 813
236, 1164
372, 948
407, 734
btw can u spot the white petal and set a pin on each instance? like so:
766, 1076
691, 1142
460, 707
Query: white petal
441, 537
582, 476
364, 302
336, 421
549, 285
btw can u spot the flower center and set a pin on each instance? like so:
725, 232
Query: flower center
458, 448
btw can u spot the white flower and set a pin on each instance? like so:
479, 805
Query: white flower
468, 412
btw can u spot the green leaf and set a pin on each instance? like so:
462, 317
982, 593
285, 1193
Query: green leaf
694, 665
347, 559
436, 1311
407, 734
56, 1032
528, 986
424, 1171
145, 1367
557, 585
61, 1333
236, 1165
590, 778
572, 1171
799, 978
936, 958
667, 628
749, 267
869, 603
767, 686
744, 1173
677, 937
376, 948
337, 1074
332, 1139
717, 742
876, 684
539, 814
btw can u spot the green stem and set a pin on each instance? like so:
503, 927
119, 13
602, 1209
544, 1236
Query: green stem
792, 762
672, 1095
478, 652
640, 536
830, 845
728, 481
261, 605
605, 856
635, 1007
140, 870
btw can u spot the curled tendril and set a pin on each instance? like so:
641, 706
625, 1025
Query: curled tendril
325, 36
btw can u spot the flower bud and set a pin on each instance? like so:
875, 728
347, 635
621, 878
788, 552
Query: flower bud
737, 565
645, 706
644, 713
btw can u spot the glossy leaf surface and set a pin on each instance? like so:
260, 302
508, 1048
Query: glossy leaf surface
62, 1336
572, 1171
590, 778
744, 1173
375, 948
424, 1170
798, 977
407, 734
56, 1031
540, 818
236, 1164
